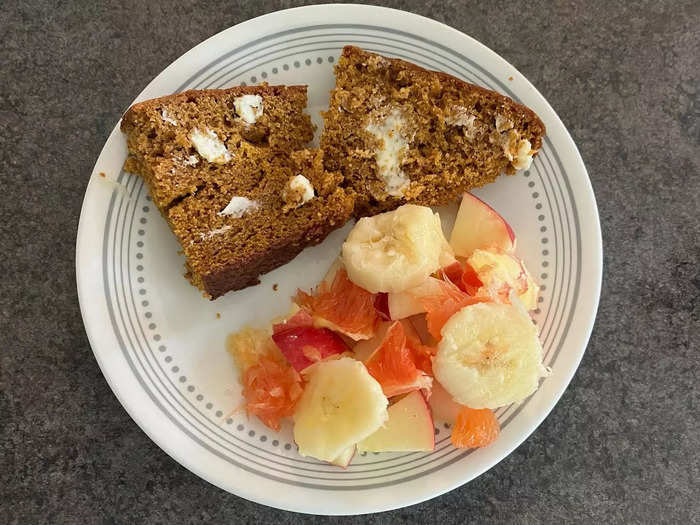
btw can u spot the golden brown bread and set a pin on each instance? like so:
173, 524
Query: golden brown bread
158, 136
400, 133
252, 163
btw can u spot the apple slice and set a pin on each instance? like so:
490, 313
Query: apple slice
407, 303
306, 345
408, 429
443, 406
299, 318
478, 225
345, 457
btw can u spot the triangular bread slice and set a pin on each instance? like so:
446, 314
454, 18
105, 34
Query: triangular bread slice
399, 133
229, 172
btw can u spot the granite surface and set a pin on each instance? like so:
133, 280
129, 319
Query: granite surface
622, 444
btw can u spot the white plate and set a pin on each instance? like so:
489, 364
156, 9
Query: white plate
161, 345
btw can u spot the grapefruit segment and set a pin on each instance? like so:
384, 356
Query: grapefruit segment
341, 306
464, 276
475, 428
390, 359
470, 281
440, 307
250, 344
271, 391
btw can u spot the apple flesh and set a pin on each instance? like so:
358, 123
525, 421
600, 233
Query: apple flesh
443, 406
408, 429
305, 345
478, 225
408, 302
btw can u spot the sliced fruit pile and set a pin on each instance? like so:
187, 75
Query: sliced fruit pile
405, 326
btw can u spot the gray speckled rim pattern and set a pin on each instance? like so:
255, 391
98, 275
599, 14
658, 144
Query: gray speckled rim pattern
137, 335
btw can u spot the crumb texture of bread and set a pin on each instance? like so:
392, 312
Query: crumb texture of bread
399, 133
181, 142
217, 163
230, 251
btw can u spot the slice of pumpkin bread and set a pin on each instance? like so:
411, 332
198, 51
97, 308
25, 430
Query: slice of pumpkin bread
229, 172
400, 133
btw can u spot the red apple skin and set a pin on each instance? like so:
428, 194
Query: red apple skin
473, 207
510, 231
301, 318
293, 340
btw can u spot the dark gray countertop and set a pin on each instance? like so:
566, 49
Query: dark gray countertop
622, 444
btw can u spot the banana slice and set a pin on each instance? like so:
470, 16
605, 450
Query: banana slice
341, 405
394, 251
489, 356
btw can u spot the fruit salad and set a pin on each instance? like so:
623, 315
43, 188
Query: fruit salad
404, 327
